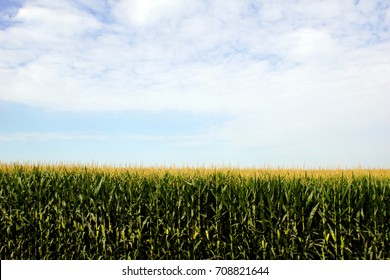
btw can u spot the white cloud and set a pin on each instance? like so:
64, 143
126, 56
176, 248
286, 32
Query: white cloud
176, 140
309, 45
141, 13
48, 25
49, 136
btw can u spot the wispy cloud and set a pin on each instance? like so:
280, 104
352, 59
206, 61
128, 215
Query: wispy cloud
49, 136
170, 140
157, 55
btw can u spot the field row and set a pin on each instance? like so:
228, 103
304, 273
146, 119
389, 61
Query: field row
100, 213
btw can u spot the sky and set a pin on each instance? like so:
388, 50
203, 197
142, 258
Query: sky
247, 83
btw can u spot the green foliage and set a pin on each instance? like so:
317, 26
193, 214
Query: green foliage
86, 213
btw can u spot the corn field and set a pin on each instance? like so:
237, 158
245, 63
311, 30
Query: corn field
76, 212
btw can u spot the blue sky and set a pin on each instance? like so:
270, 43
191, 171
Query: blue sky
183, 82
